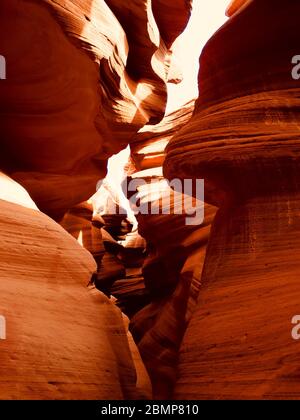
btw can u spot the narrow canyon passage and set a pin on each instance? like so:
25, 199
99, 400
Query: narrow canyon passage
149, 200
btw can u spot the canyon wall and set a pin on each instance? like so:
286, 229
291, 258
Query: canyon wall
64, 340
210, 304
82, 79
173, 266
244, 141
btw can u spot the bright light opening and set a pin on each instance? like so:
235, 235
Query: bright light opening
207, 18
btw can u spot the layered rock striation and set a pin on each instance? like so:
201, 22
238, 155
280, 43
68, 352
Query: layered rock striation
173, 267
244, 141
64, 340
82, 79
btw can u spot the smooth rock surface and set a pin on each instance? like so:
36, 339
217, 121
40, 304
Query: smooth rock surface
64, 340
66, 57
244, 141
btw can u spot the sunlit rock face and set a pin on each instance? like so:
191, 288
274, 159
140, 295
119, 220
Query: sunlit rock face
148, 146
63, 339
13, 192
210, 305
244, 141
78, 221
82, 79
236, 6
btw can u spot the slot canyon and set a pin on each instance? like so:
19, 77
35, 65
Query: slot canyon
106, 293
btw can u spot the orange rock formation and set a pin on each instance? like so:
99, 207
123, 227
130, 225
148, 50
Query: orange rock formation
209, 307
244, 140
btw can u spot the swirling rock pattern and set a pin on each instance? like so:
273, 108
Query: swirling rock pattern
173, 277
171, 17
244, 141
173, 268
82, 79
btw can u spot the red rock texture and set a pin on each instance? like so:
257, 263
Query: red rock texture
171, 18
235, 6
148, 146
173, 267
78, 221
173, 277
13, 192
210, 305
244, 141
64, 340
83, 79
104, 58
239, 344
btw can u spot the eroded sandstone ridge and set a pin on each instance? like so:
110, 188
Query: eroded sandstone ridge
173, 266
236, 6
64, 340
244, 141
83, 78
210, 305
